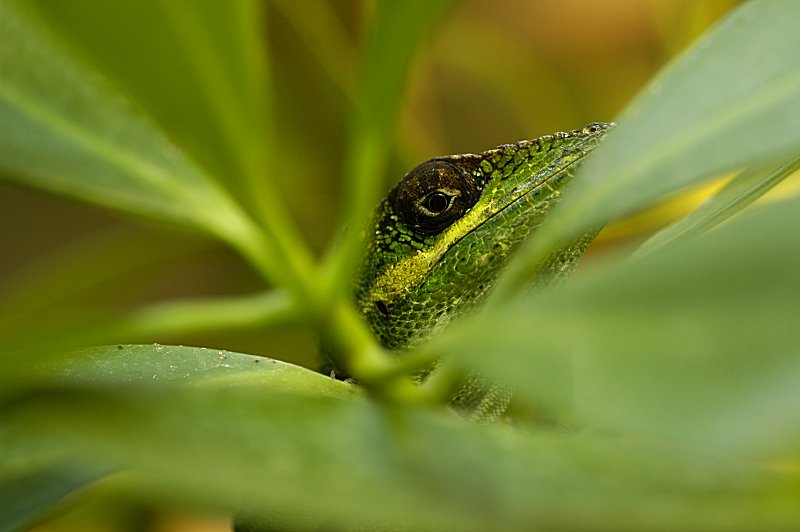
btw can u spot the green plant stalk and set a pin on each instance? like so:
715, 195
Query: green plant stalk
393, 38
342, 330
203, 315
250, 140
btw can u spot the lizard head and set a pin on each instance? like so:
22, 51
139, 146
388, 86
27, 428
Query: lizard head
444, 232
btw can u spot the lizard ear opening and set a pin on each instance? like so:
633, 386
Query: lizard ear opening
433, 196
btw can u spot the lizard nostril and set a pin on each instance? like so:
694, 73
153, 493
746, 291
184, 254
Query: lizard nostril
381, 306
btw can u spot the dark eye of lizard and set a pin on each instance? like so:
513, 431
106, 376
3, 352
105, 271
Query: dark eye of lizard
434, 195
437, 202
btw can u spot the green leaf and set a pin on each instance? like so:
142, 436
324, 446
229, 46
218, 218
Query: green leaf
64, 130
76, 273
161, 365
34, 477
67, 131
197, 67
157, 365
731, 100
28, 497
203, 315
50, 334
395, 33
324, 33
300, 462
739, 193
200, 68
695, 343
64, 299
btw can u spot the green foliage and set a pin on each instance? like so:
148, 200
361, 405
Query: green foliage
676, 370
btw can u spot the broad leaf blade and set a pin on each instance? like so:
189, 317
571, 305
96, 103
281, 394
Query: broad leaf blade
66, 131
695, 343
157, 365
35, 477
28, 497
196, 66
740, 192
307, 462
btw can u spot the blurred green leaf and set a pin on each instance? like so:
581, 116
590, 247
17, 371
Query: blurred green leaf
26, 343
695, 343
327, 40
307, 462
70, 275
75, 295
739, 193
731, 100
161, 365
197, 67
34, 477
64, 130
67, 131
394, 36
203, 75
173, 317
692, 345
27, 497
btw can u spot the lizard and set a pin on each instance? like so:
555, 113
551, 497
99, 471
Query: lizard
443, 234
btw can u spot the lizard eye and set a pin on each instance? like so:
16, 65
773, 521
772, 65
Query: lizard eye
438, 202
434, 195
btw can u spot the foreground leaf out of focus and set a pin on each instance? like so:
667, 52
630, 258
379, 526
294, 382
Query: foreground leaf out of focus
658, 389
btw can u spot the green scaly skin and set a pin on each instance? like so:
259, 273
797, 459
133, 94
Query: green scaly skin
444, 233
